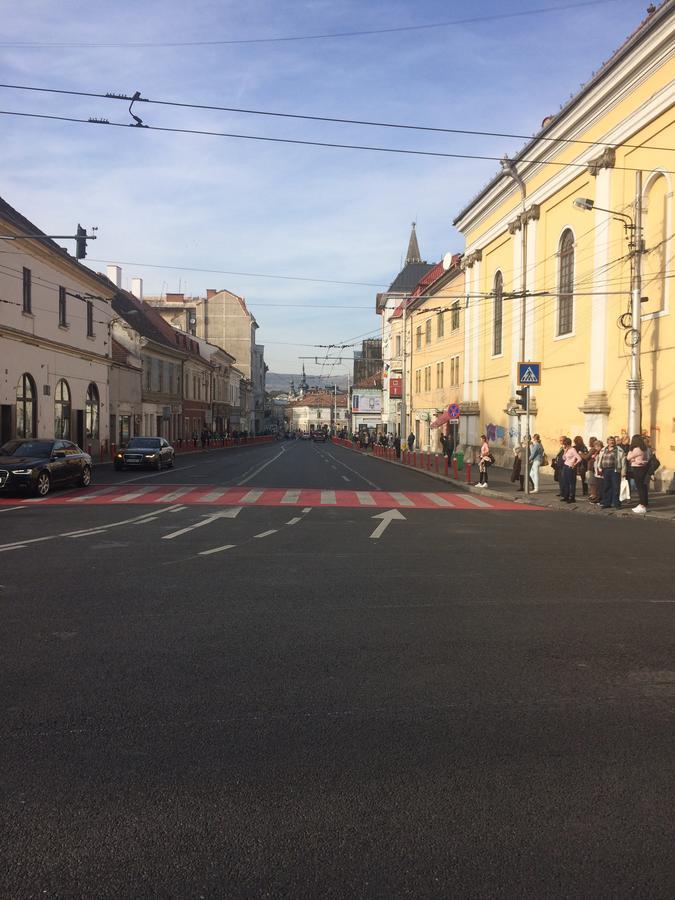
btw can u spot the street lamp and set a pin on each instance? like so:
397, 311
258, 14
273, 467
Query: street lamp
634, 336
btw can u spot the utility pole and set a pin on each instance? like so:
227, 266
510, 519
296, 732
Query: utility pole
403, 433
634, 383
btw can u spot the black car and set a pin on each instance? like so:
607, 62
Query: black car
319, 435
36, 466
146, 451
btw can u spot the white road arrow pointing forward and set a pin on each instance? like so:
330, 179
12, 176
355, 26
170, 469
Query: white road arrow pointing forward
230, 513
387, 518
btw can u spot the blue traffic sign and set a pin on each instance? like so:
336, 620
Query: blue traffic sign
453, 411
529, 373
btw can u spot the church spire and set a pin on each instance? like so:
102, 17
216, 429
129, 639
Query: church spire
413, 254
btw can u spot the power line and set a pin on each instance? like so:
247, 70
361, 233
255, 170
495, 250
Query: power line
329, 119
331, 145
308, 37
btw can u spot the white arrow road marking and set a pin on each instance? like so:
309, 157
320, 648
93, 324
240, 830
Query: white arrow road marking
226, 514
387, 518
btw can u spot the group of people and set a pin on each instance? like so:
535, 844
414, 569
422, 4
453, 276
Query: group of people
605, 470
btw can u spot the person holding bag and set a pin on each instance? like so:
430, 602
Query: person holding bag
637, 458
486, 459
611, 466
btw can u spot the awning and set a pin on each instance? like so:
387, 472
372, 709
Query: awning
441, 420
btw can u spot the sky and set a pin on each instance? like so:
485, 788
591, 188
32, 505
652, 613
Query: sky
334, 222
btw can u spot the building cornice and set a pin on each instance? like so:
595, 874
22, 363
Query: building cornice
47, 344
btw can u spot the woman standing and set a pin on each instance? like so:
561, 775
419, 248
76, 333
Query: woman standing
611, 465
571, 460
536, 458
637, 457
582, 468
594, 481
484, 461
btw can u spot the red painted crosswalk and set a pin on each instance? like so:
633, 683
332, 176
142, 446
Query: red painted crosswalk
213, 495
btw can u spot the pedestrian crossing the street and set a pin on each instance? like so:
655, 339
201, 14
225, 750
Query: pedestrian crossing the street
213, 495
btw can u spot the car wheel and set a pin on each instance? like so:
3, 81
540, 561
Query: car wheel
85, 477
44, 484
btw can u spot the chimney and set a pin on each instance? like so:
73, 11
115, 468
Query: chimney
210, 292
114, 273
137, 287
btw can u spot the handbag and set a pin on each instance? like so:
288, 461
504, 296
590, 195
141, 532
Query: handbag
544, 459
489, 460
652, 465
624, 490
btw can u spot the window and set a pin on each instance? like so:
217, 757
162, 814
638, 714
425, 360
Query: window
147, 372
91, 412
427, 326
90, 319
427, 378
439, 374
160, 375
418, 337
440, 325
63, 312
62, 410
454, 370
497, 290
454, 318
125, 429
566, 283
398, 346
26, 407
418, 380
657, 259
27, 291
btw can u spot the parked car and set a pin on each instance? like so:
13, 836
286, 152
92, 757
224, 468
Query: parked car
319, 435
146, 451
36, 466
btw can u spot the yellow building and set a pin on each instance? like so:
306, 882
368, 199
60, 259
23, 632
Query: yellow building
613, 144
434, 347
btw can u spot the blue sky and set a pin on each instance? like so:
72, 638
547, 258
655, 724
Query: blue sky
187, 202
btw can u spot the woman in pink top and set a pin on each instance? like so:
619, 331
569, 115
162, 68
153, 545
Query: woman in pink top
571, 459
484, 461
637, 458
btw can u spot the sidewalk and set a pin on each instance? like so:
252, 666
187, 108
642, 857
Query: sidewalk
661, 506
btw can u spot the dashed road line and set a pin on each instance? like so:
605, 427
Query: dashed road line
294, 521
217, 549
265, 533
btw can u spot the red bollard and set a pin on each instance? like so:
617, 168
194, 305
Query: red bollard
428, 459
414, 462
468, 473
113, 450
446, 467
455, 470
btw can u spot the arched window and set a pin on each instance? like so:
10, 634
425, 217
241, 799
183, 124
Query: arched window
566, 283
91, 412
26, 407
657, 257
62, 410
497, 317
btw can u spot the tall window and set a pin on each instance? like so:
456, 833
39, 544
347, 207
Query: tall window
440, 325
454, 317
439, 374
26, 407
658, 258
63, 311
566, 283
454, 370
90, 319
418, 337
428, 331
497, 321
62, 411
27, 291
427, 378
92, 412
398, 346
418, 380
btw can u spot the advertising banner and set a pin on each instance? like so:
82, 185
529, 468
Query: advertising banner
395, 388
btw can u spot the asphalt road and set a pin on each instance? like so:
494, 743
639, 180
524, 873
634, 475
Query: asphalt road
218, 681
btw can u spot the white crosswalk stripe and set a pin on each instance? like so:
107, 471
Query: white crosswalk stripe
251, 497
328, 498
291, 497
365, 498
438, 500
88, 495
212, 495
476, 501
401, 499
137, 493
174, 495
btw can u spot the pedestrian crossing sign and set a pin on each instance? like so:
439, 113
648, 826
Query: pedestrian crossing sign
529, 373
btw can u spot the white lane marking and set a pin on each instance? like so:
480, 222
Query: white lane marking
155, 474
475, 500
89, 496
212, 495
10, 508
177, 508
132, 496
88, 533
358, 474
264, 466
294, 521
149, 519
328, 497
344, 477
306, 510
38, 499
174, 495
133, 521
387, 518
438, 500
333, 467
291, 497
225, 514
13, 547
251, 497
51, 537
217, 549
265, 533
365, 498
401, 499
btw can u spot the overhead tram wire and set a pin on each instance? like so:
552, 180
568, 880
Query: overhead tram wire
436, 154
308, 37
326, 119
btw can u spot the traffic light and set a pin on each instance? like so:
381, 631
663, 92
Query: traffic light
522, 396
80, 243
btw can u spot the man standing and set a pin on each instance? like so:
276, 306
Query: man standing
411, 441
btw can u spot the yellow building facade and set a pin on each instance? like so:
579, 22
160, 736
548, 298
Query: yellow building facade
613, 144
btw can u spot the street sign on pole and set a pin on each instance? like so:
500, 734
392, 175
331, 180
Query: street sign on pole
529, 373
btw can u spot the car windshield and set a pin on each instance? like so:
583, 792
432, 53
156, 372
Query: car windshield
143, 442
26, 448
